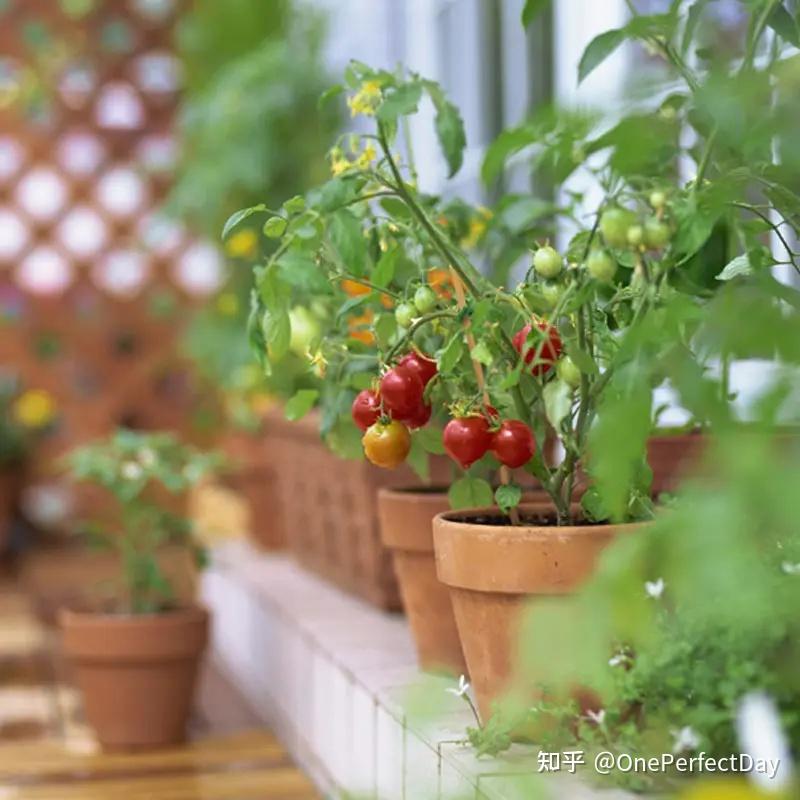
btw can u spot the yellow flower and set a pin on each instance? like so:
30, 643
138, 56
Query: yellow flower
319, 363
228, 304
36, 408
477, 228
366, 99
242, 244
366, 158
726, 789
339, 162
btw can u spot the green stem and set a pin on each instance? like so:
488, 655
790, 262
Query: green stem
451, 258
705, 159
414, 327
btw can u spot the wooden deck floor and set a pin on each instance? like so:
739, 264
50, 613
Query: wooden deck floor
48, 753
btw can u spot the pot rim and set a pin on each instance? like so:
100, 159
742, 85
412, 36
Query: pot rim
416, 492
176, 616
523, 560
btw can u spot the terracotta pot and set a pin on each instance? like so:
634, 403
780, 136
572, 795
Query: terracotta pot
672, 457
494, 571
137, 674
331, 514
406, 524
253, 477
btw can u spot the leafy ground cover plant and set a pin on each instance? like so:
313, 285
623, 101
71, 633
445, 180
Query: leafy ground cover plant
140, 471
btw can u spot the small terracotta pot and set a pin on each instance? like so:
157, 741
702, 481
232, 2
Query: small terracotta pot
494, 571
137, 674
406, 525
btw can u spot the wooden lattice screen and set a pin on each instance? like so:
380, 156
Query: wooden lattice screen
94, 281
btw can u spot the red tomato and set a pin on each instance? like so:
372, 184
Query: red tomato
421, 418
513, 444
548, 348
467, 439
366, 408
424, 367
387, 445
401, 390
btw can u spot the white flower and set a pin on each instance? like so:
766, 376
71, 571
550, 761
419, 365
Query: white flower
463, 687
598, 717
790, 568
684, 739
619, 659
132, 471
654, 588
761, 736
147, 457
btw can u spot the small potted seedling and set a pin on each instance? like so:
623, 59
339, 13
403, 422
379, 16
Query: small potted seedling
136, 656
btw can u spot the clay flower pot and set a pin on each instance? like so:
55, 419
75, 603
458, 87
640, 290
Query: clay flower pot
672, 457
137, 673
406, 525
494, 570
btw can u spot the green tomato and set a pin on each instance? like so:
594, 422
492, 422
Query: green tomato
658, 200
547, 262
569, 372
656, 233
614, 225
305, 330
551, 293
425, 299
635, 235
601, 266
404, 314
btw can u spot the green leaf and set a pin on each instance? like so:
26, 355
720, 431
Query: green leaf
419, 460
330, 94
470, 493
399, 102
348, 239
277, 332
532, 9
300, 404
557, 402
521, 213
431, 439
384, 270
294, 205
395, 207
237, 217
582, 360
482, 354
507, 143
508, 496
784, 24
693, 17
449, 128
452, 353
598, 50
274, 227
736, 267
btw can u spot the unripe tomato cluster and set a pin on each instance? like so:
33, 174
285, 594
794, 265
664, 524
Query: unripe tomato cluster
387, 415
621, 228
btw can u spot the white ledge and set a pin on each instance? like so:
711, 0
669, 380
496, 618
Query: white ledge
329, 673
